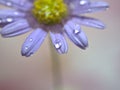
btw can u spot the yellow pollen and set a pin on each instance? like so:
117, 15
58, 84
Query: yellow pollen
49, 11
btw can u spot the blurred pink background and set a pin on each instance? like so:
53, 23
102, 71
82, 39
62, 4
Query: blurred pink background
96, 68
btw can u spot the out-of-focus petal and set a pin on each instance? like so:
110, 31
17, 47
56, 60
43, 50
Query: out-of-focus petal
4, 21
24, 5
16, 28
76, 35
78, 6
87, 21
76, 1
8, 16
11, 13
59, 42
85, 6
33, 42
98, 6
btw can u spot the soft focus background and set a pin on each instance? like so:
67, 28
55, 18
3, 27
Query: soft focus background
96, 68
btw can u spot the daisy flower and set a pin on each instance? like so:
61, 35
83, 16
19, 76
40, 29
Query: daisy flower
56, 17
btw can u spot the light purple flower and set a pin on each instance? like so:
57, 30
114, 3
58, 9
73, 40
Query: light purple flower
19, 20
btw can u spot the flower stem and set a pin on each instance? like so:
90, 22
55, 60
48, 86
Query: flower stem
56, 68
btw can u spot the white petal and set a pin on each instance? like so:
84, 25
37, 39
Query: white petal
59, 42
33, 42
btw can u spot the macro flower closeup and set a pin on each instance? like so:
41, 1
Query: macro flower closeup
56, 17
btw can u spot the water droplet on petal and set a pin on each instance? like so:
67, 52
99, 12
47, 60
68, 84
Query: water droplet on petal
76, 31
58, 44
31, 39
9, 19
26, 47
83, 2
9, 3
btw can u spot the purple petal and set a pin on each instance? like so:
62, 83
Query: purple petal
98, 6
10, 13
87, 21
76, 35
7, 20
24, 5
33, 42
4, 21
78, 6
8, 16
85, 6
16, 28
59, 42
77, 1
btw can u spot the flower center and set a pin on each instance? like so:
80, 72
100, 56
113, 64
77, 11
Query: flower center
49, 11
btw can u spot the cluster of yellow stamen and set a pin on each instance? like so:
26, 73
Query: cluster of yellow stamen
49, 11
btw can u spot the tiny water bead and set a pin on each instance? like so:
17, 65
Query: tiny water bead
6, 20
31, 39
9, 3
9, 19
77, 29
83, 2
49, 12
58, 44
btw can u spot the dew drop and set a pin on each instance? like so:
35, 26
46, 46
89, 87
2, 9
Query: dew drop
9, 3
9, 20
31, 39
26, 47
76, 31
58, 44
83, 2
